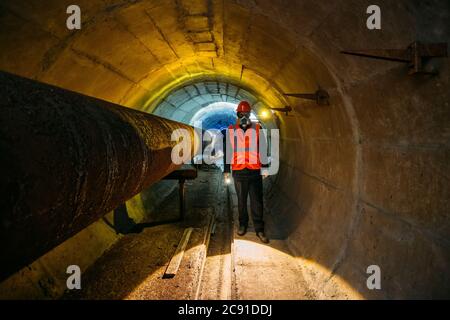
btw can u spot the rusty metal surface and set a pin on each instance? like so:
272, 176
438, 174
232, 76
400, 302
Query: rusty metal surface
285, 109
321, 97
400, 55
66, 160
413, 54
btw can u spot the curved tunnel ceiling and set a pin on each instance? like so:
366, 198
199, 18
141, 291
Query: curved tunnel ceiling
183, 104
154, 46
362, 180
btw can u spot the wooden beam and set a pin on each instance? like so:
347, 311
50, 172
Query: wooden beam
174, 264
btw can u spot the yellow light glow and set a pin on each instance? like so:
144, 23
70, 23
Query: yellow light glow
264, 114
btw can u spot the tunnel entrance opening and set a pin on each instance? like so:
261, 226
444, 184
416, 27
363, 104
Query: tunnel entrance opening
196, 100
218, 115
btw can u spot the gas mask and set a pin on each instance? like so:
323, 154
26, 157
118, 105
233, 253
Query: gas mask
244, 119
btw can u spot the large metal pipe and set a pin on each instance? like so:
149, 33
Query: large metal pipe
66, 160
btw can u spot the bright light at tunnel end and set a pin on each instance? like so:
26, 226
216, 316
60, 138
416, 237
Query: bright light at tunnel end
218, 115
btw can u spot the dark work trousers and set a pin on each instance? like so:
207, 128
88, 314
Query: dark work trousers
249, 182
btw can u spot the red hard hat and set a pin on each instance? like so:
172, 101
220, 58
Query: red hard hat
244, 106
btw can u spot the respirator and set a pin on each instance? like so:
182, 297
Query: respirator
244, 119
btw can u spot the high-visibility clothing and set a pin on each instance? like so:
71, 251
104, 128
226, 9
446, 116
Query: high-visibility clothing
245, 147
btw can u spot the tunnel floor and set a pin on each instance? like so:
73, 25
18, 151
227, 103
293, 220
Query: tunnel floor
234, 267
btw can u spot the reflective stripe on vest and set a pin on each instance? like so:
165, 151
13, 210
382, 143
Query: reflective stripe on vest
245, 148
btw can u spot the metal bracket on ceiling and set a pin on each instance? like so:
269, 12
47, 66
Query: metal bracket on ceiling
321, 97
286, 109
414, 55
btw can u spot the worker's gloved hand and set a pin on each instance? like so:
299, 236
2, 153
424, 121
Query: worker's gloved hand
264, 173
226, 178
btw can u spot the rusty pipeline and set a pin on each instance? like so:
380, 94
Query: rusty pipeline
66, 160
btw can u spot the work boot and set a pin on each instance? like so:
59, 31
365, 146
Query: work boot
262, 237
242, 230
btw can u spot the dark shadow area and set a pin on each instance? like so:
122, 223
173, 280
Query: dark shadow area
123, 224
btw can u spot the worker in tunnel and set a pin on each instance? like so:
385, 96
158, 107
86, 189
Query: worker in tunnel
244, 156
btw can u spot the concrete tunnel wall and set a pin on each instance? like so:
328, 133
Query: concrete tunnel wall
368, 180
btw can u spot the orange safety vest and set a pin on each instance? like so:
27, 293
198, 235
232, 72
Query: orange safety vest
245, 147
